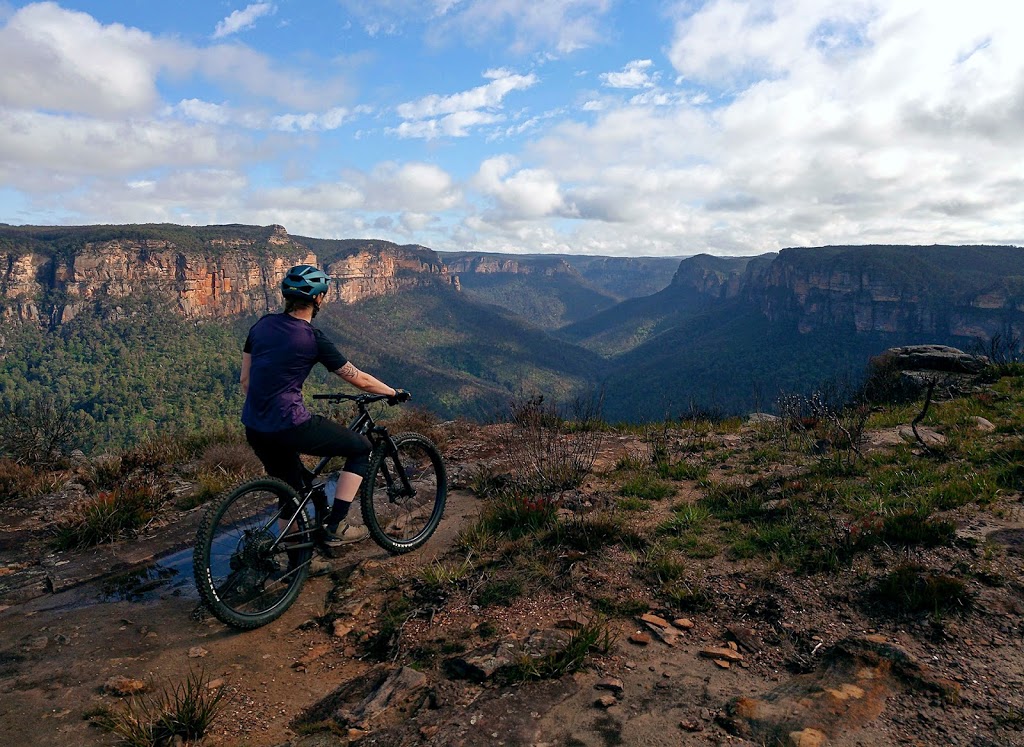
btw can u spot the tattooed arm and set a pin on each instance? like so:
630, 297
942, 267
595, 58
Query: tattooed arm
362, 380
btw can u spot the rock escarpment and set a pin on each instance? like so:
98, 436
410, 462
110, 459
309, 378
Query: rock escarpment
943, 291
50, 275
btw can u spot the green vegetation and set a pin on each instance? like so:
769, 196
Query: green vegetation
127, 379
180, 713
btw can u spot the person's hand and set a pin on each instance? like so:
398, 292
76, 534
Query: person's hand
400, 395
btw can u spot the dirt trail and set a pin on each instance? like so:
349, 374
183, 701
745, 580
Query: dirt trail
803, 653
58, 651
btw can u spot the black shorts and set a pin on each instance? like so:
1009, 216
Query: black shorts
279, 451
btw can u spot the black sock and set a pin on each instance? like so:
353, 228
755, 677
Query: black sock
338, 512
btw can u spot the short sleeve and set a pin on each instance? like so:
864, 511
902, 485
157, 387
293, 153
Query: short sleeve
327, 353
247, 348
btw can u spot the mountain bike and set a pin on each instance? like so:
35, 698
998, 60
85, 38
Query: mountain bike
253, 548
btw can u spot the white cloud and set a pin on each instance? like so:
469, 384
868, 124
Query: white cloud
240, 20
489, 95
520, 194
456, 115
411, 187
66, 61
634, 75
85, 147
522, 25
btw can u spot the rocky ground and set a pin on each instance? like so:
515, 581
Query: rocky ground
374, 654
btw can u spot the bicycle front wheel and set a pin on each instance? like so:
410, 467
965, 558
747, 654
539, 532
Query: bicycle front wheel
404, 493
244, 573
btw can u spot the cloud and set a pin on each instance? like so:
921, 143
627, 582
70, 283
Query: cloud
522, 194
489, 95
634, 75
240, 20
66, 61
457, 114
521, 25
409, 187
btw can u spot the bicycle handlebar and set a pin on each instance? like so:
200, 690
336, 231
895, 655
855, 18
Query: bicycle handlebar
364, 399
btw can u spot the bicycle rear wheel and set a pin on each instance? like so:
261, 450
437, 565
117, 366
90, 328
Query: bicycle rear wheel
244, 575
401, 514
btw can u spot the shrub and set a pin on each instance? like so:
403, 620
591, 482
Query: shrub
910, 588
209, 484
109, 516
551, 450
232, 458
17, 480
592, 532
917, 528
36, 431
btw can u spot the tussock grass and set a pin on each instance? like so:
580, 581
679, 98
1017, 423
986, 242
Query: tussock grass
180, 713
592, 636
108, 516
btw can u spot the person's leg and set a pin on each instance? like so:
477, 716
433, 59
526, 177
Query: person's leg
323, 437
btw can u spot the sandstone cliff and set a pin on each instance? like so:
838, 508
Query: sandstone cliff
969, 291
51, 275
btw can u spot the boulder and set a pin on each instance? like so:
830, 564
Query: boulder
903, 374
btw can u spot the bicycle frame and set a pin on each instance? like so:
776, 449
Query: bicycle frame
363, 423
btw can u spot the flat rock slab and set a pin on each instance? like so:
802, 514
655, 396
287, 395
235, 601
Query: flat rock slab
847, 692
486, 662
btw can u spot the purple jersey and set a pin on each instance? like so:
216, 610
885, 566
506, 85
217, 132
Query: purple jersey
284, 350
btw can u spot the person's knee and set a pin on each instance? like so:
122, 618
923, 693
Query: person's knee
358, 462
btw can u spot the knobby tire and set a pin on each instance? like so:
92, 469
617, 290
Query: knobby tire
397, 521
240, 580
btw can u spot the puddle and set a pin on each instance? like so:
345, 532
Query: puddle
171, 575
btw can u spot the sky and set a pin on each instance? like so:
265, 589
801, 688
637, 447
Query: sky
608, 127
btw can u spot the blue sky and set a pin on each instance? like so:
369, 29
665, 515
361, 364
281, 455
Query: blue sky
577, 126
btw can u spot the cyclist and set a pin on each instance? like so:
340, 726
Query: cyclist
280, 351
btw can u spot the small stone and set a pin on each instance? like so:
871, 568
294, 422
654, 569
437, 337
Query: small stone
808, 738
640, 639
340, 628
215, 684
655, 620
569, 624
429, 731
606, 701
350, 652
691, 726
683, 623
722, 664
733, 646
612, 684
725, 654
630, 665
124, 686
197, 652
354, 735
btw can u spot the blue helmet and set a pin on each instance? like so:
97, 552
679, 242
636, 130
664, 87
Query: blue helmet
305, 282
